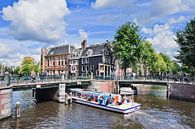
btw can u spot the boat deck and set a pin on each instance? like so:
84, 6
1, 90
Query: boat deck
121, 107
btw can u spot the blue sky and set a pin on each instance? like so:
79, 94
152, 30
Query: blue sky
26, 26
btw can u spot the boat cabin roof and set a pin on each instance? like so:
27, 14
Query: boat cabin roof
91, 92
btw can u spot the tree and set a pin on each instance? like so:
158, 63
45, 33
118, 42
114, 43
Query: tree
159, 65
186, 40
148, 55
169, 63
127, 46
28, 66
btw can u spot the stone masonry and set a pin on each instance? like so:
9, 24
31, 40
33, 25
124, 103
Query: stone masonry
103, 85
182, 91
5, 102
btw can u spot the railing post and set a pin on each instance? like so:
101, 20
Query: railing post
18, 109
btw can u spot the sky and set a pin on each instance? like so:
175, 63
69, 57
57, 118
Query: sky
26, 26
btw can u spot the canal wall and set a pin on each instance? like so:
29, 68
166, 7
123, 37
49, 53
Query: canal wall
5, 102
143, 89
104, 86
182, 91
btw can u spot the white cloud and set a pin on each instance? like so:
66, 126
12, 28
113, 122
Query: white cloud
167, 7
4, 49
180, 19
13, 51
158, 10
39, 20
112, 3
162, 39
83, 34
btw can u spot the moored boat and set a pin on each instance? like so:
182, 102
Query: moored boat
106, 101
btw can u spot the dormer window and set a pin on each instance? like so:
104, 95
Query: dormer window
89, 52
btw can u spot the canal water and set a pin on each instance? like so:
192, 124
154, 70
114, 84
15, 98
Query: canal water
156, 113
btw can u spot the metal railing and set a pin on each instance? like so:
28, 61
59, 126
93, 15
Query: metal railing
54, 78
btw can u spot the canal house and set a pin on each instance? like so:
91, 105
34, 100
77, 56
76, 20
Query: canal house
73, 62
55, 60
97, 61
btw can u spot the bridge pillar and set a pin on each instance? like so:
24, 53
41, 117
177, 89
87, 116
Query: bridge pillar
60, 93
5, 101
61, 96
168, 91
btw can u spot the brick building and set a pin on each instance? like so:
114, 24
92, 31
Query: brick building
95, 59
54, 60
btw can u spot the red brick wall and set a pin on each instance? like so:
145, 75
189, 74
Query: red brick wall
103, 86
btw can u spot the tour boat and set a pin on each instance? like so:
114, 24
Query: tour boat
106, 101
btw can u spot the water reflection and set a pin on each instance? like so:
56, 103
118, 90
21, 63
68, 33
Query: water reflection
156, 113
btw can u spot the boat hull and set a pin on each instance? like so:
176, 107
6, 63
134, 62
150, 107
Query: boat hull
108, 108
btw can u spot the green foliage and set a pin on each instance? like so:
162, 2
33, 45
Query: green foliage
169, 63
127, 45
186, 41
132, 51
29, 66
148, 55
159, 64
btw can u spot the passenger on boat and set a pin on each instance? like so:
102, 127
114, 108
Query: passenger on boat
112, 101
108, 101
100, 100
124, 99
96, 98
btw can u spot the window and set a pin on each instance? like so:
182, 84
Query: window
83, 61
83, 68
89, 52
73, 61
91, 68
86, 60
109, 61
59, 62
108, 70
47, 62
62, 62
87, 68
53, 63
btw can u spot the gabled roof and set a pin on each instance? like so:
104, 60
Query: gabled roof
96, 49
65, 49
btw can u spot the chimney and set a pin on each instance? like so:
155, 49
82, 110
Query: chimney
43, 59
84, 44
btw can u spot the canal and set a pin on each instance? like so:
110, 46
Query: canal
156, 113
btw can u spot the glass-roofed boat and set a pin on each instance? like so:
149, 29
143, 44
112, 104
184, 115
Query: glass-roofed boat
107, 101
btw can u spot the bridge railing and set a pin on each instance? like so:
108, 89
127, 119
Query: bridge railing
54, 78
179, 79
